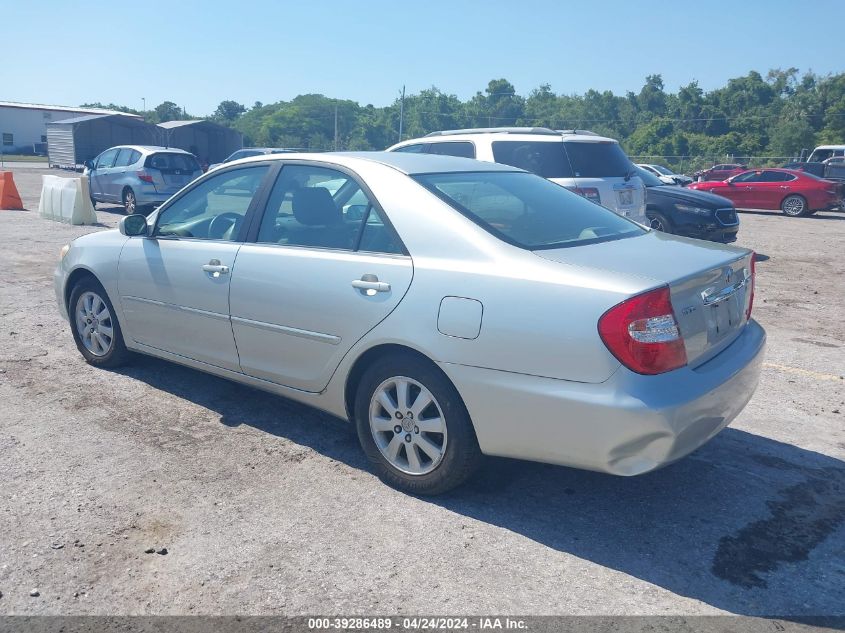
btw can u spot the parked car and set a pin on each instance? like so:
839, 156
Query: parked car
451, 308
719, 172
687, 212
795, 193
823, 152
139, 176
248, 152
830, 169
666, 175
586, 163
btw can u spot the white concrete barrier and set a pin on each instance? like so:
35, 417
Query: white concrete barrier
66, 200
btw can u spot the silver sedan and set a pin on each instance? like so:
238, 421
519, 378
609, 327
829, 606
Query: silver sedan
449, 308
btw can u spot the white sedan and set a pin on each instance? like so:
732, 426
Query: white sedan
449, 308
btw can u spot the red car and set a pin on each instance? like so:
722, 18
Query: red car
720, 172
793, 192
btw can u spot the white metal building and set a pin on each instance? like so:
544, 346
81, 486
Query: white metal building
23, 126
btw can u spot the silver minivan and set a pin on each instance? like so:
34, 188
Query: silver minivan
593, 166
140, 177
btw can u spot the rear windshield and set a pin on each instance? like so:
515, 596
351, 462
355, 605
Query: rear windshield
603, 159
528, 211
167, 161
544, 159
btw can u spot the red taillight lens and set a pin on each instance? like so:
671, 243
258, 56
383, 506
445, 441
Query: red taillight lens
590, 193
144, 176
643, 334
751, 290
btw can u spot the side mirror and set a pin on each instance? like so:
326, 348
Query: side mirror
89, 164
133, 225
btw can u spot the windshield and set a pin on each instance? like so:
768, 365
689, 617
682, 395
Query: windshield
528, 211
663, 170
649, 179
244, 153
603, 159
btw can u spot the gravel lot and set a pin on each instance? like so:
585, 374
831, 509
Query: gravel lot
268, 507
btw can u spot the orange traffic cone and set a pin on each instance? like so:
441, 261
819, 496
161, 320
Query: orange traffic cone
9, 196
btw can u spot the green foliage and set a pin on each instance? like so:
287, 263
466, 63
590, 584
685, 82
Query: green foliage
751, 116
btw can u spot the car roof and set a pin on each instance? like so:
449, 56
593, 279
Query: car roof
151, 149
541, 135
407, 163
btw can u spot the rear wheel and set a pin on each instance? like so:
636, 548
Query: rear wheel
659, 222
794, 206
94, 324
130, 202
414, 427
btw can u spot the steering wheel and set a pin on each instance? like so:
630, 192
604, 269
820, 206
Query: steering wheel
223, 225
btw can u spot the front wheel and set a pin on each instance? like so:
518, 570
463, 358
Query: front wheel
794, 206
94, 324
414, 427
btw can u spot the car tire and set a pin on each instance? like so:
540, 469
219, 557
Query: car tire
794, 206
659, 222
404, 454
130, 202
94, 325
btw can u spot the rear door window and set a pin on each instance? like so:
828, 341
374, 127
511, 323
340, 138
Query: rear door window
544, 159
597, 160
462, 149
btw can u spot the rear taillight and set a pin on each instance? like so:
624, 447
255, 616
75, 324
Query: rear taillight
643, 334
144, 176
751, 289
590, 193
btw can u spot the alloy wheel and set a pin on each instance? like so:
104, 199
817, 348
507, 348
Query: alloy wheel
408, 425
129, 202
94, 323
793, 205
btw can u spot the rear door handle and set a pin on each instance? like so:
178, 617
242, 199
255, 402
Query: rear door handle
215, 268
369, 285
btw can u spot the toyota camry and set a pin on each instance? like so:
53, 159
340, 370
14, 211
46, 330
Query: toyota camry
449, 308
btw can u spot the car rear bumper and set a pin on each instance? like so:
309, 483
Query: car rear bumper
146, 198
628, 425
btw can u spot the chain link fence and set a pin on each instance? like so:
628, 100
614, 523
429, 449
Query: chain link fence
691, 164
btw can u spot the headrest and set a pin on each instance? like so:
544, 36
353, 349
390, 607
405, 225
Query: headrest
313, 206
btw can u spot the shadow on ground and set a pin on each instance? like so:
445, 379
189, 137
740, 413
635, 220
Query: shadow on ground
818, 215
746, 524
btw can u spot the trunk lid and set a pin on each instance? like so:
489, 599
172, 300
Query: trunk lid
709, 283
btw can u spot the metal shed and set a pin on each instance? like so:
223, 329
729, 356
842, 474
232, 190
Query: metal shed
73, 141
208, 141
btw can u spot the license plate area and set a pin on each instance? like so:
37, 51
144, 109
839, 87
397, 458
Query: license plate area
625, 197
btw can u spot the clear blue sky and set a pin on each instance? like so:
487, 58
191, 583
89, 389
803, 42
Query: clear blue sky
199, 53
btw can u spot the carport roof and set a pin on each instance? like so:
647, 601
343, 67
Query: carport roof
129, 120
169, 125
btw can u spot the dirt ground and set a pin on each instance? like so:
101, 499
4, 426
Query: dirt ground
267, 507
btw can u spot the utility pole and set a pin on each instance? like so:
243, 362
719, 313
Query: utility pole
401, 113
335, 127
144, 107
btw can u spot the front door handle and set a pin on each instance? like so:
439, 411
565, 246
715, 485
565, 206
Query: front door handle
215, 268
369, 285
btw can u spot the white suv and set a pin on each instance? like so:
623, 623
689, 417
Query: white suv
582, 161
